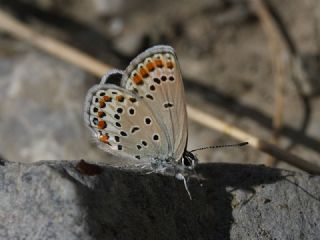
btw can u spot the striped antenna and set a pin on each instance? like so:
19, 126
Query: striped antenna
222, 146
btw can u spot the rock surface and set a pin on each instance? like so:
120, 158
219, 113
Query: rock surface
53, 200
41, 101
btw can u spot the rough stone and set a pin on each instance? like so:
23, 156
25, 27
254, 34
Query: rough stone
41, 101
53, 200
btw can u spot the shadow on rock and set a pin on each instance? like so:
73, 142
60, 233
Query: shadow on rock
131, 205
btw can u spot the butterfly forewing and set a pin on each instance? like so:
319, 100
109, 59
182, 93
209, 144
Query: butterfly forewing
155, 76
123, 124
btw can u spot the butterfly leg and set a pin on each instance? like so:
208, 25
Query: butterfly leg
180, 177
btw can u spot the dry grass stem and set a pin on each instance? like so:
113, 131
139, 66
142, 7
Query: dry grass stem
280, 63
271, 149
52, 46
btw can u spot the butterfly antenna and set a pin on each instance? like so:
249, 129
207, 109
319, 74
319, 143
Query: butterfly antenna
222, 146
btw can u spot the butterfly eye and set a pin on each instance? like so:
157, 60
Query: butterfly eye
187, 162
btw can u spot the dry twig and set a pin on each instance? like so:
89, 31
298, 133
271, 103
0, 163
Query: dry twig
280, 61
51, 45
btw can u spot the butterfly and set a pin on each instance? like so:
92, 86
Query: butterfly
143, 118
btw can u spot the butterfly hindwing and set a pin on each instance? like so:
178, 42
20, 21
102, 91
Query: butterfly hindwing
123, 124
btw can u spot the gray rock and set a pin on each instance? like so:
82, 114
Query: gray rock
41, 105
53, 200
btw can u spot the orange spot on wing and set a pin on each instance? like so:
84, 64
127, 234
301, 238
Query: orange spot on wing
120, 98
158, 63
104, 138
102, 124
170, 65
107, 98
150, 66
101, 114
137, 79
102, 104
144, 73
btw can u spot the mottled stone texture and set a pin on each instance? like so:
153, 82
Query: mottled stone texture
53, 200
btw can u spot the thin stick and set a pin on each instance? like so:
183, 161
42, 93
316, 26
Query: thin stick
280, 62
91, 65
273, 150
52, 46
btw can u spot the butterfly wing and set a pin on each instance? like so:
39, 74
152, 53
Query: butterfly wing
122, 124
155, 76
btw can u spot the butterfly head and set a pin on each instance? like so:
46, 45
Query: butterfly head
189, 160
169, 165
